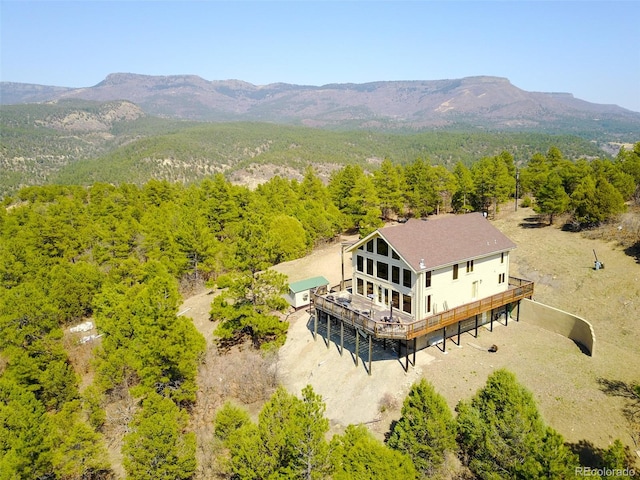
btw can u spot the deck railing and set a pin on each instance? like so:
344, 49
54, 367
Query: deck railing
518, 289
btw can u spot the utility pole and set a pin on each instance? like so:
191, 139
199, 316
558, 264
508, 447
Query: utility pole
517, 181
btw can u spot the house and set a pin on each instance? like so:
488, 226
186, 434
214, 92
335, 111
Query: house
424, 281
424, 267
298, 295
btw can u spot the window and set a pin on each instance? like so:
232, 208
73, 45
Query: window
406, 277
394, 255
502, 257
361, 247
359, 263
469, 266
427, 279
395, 299
383, 270
395, 274
501, 278
428, 302
360, 286
382, 247
370, 246
455, 271
369, 289
369, 266
406, 303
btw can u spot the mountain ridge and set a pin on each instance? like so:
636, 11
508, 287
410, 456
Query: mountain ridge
478, 102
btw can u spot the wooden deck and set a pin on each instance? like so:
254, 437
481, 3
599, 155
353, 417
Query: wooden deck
406, 328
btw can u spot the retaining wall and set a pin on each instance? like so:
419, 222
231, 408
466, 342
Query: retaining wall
558, 321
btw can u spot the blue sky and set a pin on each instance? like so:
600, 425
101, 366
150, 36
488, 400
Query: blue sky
588, 48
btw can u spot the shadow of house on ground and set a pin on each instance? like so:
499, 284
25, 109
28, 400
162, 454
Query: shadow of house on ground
381, 350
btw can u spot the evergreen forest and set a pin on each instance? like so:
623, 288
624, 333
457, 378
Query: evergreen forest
123, 254
78, 142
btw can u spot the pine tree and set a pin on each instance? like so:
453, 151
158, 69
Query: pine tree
78, 451
501, 434
355, 195
464, 189
534, 174
288, 442
157, 447
357, 455
493, 182
426, 429
551, 198
247, 306
25, 451
421, 194
308, 430
229, 419
388, 182
286, 239
595, 200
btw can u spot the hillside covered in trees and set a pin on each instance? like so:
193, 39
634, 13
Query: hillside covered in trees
123, 254
79, 142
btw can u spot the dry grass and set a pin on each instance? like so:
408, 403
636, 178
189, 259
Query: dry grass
624, 231
244, 376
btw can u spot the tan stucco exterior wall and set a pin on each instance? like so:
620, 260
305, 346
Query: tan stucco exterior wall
558, 321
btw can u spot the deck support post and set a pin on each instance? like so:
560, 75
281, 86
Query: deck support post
459, 333
341, 337
491, 321
357, 346
444, 339
414, 351
315, 325
476, 326
518, 313
370, 349
506, 315
328, 331
406, 344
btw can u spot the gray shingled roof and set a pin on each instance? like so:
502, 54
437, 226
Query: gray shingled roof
444, 241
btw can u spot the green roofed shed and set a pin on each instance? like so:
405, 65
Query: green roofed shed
298, 295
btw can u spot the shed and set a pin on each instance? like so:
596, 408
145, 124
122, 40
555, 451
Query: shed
298, 295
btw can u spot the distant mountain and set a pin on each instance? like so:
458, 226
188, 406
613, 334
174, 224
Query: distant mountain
12, 93
472, 103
